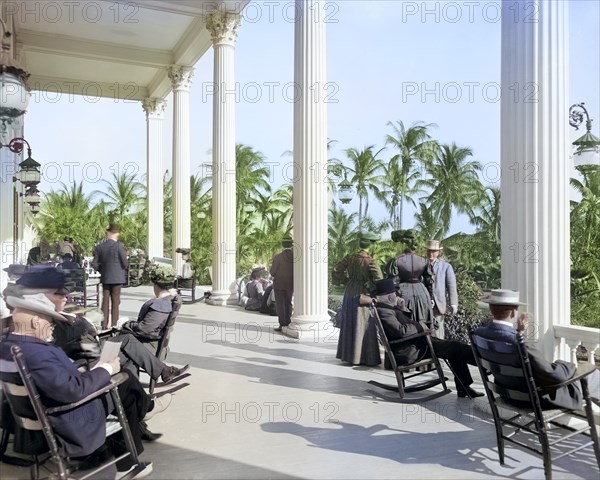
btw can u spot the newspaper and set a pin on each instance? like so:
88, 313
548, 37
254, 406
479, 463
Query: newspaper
110, 351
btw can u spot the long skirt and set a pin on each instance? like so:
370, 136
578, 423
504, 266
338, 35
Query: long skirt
418, 302
357, 343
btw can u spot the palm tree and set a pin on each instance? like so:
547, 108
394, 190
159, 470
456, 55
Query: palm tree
428, 223
342, 233
123, 194
415, 149
251, 175
454, 183
69, 212
365, 170
487, 220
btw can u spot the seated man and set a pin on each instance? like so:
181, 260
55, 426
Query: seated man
504, 326
256, 288
81, 431
153, 314
68, 263
77, 337
398, 325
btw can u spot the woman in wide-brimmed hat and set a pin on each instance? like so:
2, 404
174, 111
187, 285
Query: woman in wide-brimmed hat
357, 343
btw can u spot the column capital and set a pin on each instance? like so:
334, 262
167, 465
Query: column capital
223, 27
154, 107
180, 76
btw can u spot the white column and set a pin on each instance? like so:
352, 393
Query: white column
9, 166
310, 166
223, 29
535, 162
154, 109
181, 77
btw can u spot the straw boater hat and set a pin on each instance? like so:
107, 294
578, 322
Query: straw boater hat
434, 245
502, 297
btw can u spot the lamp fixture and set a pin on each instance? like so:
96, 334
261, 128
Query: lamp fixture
29, 173
588, 143
345, 191
14, 92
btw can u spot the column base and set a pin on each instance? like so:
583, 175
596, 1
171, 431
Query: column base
315, 331
222, 299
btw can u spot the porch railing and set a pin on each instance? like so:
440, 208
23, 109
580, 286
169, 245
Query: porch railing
569, 337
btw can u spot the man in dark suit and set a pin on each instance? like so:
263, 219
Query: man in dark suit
504, 326
282, 270
36, 302
110, 259
398, 325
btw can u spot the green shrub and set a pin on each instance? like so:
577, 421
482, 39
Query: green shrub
469, 316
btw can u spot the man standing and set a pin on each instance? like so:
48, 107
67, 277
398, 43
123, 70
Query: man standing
282, 270
504, 326
110, 259
442, 285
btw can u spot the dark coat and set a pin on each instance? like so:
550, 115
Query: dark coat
82, 430
545, 373
110, 259
397, 326
282, 269
151, 319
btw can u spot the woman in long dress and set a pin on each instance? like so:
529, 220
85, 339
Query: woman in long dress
411, 270
357, 342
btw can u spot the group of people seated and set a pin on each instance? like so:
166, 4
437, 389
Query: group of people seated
257, 293
50, 341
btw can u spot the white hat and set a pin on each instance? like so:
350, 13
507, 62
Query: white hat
502, 297
434, 245
37, 303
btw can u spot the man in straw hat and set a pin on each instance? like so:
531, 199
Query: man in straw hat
505, 324
36, 302
398, 325
110, 259
442, 285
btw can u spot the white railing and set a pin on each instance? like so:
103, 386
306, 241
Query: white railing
569, 337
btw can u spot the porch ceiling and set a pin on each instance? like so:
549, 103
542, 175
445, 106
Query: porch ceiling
115, 49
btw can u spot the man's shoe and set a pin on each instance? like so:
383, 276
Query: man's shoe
160, 404
468, 392
144, 472
169, 374
278, 329
147, 435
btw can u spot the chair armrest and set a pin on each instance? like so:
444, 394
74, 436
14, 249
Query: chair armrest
408, 338
115, 381
109, 333
582, 371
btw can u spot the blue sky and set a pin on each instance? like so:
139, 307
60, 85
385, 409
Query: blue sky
438, 62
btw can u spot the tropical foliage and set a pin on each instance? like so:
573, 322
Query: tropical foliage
439, 181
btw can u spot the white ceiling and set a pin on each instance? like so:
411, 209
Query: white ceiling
109, 48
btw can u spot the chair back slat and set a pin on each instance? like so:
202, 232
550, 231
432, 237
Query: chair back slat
165, 334
30, 440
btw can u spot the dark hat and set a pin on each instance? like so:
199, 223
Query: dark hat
367, 238
44, 277
287, 241
113, 228
183, 251
372, 237
67, 255
385, 286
